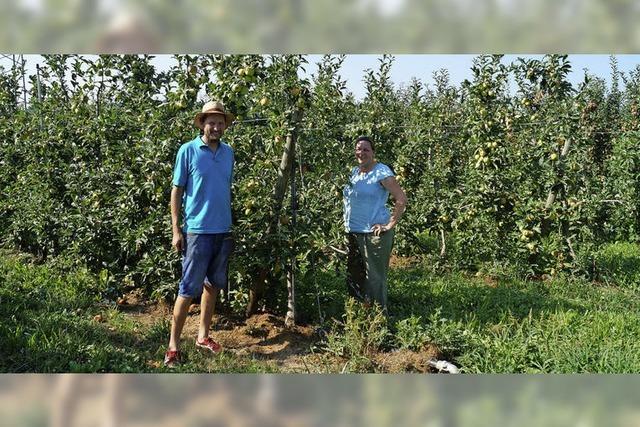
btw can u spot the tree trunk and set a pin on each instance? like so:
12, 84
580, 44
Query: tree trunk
551, 197
554, 190
258, 286
290, 319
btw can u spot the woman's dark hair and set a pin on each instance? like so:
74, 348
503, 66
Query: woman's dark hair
365, 138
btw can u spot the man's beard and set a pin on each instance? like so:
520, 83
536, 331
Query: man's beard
210, 137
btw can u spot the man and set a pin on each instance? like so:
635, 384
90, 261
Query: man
202, 186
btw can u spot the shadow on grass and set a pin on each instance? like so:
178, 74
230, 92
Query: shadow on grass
419, 292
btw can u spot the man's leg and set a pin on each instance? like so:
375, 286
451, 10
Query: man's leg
217, 277
180, 312
194, 270
207, 306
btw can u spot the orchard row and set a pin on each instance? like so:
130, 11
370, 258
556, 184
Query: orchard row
536, 178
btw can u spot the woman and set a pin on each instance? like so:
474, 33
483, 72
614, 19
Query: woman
369, 224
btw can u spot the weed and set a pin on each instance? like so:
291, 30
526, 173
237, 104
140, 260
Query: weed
410, 333
363, 332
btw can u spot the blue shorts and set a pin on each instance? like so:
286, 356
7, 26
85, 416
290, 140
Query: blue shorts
204, 256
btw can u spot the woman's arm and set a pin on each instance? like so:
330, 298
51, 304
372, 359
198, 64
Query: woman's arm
391, 184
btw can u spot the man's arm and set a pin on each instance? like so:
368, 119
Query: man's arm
176, 206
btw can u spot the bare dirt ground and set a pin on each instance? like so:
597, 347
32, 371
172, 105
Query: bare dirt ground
403, 261
264, 337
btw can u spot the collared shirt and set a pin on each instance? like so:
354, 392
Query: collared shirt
206, 177
365, 199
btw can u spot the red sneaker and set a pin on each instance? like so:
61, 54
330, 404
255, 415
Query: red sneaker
209, 344
172, 358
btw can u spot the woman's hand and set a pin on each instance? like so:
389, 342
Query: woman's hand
381, 228
400, 198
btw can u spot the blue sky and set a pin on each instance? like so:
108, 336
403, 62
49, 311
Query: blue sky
422, 67
459, 66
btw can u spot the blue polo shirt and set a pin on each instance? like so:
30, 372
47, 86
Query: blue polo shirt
365, 199
206, 178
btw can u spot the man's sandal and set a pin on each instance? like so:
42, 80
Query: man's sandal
172, 358
209, 344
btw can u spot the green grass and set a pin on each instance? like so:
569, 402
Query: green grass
507, 325
48, 326
618, 263
560, 326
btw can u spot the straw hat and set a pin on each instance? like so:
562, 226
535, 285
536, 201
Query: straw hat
213, 107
